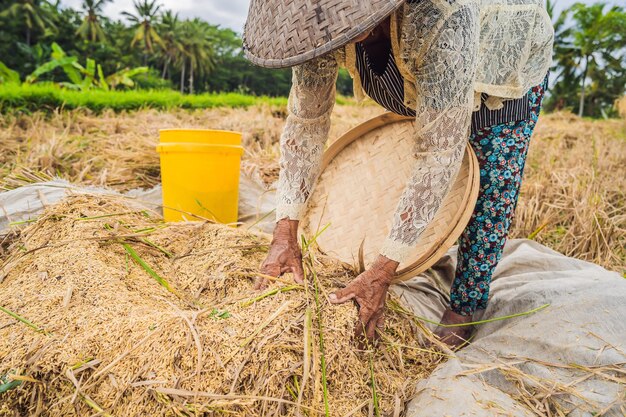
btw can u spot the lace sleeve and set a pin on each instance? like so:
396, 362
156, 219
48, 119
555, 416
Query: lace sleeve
311, 101
444, 83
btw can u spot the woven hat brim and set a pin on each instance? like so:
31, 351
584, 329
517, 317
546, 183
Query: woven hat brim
286, 33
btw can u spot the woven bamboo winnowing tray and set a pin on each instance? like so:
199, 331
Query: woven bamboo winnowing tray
363, 176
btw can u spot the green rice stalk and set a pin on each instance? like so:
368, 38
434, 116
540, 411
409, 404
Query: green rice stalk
373, 385
148, 269
534, 234
145, 240
292, 391
23, 320
321, 341
394, 305
526, 313
145, 229
7, 384
199, 203
219, 315
157, 247
270, 293
29, 221
307, 244
103, 216
93, 405
80, 363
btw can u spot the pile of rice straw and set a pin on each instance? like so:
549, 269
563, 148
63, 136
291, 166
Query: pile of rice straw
107, 310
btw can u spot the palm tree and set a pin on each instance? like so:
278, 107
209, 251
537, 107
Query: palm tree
172, 49
597, 35
35, 14
90, 29
147, 12
198, 50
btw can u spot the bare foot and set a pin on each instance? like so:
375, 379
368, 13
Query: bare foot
457, 336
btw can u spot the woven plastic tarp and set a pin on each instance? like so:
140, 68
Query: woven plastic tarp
256, 204
568, 357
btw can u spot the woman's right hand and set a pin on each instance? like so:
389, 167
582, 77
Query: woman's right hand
284, 254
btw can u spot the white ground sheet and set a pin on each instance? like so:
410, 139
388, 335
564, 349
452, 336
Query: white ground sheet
256, 204
560, 354
584, 326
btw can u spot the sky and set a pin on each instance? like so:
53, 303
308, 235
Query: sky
227, 13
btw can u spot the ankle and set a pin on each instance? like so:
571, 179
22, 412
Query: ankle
452, 317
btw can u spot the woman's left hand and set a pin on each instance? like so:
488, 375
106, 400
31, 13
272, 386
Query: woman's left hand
369, 290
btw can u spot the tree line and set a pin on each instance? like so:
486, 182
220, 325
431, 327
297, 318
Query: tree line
191, 55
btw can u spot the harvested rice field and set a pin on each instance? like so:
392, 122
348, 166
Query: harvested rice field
572, 198
163, 320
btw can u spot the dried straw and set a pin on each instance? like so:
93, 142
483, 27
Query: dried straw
124, 345
573, 193
573, 190
118, 150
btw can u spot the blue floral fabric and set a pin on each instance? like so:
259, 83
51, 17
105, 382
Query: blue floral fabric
501, 152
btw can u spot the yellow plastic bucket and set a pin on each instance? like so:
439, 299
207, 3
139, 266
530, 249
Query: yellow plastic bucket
200, 174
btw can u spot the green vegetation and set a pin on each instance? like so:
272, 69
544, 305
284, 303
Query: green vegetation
189, 55
49, 97
590, 59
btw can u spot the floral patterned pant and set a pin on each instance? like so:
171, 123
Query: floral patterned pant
501, 152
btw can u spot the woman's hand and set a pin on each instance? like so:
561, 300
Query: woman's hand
369, 290
284, 254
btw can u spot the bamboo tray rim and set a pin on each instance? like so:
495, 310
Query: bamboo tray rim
447, 240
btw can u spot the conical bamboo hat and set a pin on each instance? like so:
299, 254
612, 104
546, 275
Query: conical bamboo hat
284, 33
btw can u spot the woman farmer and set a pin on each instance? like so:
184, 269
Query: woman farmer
465, 69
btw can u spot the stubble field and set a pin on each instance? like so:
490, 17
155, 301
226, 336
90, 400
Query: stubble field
572, 199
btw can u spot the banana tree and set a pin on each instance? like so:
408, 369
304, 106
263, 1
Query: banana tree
122, 77
7, 75
90, 76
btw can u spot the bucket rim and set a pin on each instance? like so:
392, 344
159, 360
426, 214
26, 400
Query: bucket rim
201, 130
185, 147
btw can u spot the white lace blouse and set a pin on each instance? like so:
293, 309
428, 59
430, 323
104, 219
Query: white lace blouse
449, 52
